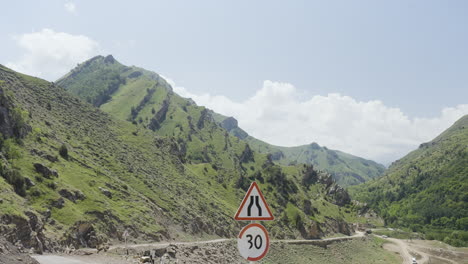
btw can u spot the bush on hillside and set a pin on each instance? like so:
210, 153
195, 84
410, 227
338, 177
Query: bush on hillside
63, 151
14, 178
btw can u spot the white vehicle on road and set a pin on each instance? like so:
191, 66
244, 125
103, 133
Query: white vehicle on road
413, 261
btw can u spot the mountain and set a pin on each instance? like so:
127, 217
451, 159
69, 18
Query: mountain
134, 94
427, 190
345, 168
155, 164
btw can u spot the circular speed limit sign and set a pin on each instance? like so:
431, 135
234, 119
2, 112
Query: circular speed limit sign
253, 242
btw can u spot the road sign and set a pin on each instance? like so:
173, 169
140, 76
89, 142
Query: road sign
253, 242
254, 206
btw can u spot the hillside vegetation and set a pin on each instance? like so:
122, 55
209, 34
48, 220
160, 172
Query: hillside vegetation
427, 190
345, 168
73, 174
143, 97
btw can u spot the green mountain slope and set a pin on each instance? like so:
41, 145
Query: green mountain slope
72, 174
346, 169
427, 190
141, 96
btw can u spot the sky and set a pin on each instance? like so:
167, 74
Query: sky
371, 78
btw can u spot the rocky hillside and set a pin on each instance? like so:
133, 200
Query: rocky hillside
345, 168
144, 98
159, 167
427, 190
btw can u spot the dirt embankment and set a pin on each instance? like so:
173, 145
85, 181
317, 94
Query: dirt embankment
11, 254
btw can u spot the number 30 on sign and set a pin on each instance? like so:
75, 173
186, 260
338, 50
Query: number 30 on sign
253, 242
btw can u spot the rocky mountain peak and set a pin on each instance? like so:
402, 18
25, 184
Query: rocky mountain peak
229, 123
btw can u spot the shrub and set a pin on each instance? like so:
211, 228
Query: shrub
10, 149
63, 151
19, 120
13, 177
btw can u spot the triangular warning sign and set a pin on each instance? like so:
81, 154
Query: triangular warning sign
254, 206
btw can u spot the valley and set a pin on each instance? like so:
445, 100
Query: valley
75, 176
268, 132
110, 149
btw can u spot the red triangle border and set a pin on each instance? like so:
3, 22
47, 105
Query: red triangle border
238, 218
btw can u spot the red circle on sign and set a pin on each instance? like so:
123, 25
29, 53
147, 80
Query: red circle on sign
267, 239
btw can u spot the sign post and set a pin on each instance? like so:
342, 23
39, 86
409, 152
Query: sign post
125, 235
253, 241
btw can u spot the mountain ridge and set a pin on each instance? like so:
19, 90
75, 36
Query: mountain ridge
148, 88
73, 174
346, 169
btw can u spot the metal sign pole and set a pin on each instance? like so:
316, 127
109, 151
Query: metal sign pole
252, 262
125, 235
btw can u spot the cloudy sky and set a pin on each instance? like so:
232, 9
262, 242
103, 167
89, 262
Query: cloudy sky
372, 78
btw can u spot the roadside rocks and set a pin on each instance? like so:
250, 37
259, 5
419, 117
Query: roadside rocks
83, 234
25, 232
171, 250
223, 252
311, 231
338, 226
45, 171
10, 254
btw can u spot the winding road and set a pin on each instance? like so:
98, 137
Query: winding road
56, 259
408, 250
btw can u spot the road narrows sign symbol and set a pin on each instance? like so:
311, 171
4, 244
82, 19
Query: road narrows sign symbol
254, 206
253, 242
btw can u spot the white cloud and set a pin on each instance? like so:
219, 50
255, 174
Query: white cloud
70, 7
49, 54
277, 114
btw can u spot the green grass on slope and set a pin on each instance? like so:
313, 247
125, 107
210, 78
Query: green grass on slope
96, 90
121, 91
346, 169
151, 189
427, 190
218, 166
360, 251
11, 203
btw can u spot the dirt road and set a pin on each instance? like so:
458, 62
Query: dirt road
290, 241
166, 244
51, 259
97, 259
423, 253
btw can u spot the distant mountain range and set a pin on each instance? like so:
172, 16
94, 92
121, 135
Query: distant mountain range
345, 168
